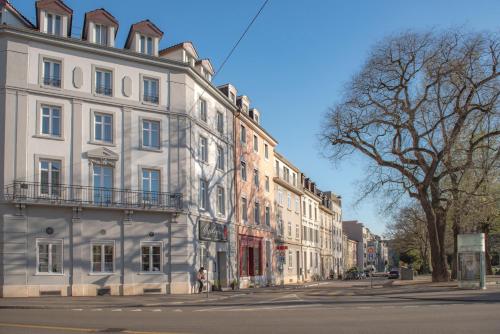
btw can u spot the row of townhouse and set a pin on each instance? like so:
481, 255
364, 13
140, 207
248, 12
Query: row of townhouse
125, 170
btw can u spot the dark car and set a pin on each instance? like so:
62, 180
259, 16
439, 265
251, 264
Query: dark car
393, 274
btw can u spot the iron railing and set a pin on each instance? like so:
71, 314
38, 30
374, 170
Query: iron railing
151, 98
103, 90
52, 81
86, 196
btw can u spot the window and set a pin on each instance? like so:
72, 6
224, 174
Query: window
267, 183
103, 127
243, 171
103, 184
286, 174
255, 143
266, 151
280, 197
310, 211
256, 213
290, 229
51, 121
297, 205
220, 158
151, 134
150, 185
244, 209
103, 257
220, 122
103, 82
221, 206
268, 215
101, 34
50, 177
290, 259
294, 180
151, 257
304, 208
304, 233
203, 149
289, 201
49, 257
297, 231
232, 96
150, 90
243, 135
256, 178
54, 24
203, 200
51, 73
146, 45
202, 109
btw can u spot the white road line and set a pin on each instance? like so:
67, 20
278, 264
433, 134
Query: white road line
364, 307
410, 306
116, 310
246, 309
78, 309
136, 310
388, 306
96, 309
177, 310
156, 310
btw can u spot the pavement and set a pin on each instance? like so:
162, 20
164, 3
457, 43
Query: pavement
322, 307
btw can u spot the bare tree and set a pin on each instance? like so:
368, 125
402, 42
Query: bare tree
417, 96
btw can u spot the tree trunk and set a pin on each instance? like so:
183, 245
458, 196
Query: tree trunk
436, 226
487, 256
454, 261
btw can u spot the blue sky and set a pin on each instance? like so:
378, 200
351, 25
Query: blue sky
294, 61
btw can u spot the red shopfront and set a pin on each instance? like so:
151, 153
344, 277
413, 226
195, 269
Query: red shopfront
250, 255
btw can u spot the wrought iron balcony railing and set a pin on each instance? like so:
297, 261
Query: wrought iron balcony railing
151, 98
87, 196
103, 90
52, 81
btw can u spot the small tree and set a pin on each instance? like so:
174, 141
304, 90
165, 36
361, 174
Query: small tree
415, 98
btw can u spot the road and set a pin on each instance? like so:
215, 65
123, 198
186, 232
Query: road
328, 308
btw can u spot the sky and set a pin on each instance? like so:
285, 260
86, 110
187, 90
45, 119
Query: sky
294, 61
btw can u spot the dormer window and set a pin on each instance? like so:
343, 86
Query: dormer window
54, 24
233, 97
101, 34
146, 45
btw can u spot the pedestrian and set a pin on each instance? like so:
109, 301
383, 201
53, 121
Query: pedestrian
200, 277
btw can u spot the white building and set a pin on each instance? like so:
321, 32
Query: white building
115, 164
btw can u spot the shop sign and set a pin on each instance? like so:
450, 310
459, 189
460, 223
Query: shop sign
211, 231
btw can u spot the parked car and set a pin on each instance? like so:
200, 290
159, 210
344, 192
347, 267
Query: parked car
393, 274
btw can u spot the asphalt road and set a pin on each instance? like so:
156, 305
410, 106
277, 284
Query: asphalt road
328, 308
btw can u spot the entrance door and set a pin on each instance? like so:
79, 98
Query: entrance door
305, 265
222, 268
297, 256
269, 261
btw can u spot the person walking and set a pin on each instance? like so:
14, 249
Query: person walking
200, 277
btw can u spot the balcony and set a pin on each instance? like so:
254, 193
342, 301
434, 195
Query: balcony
151, 98
103, 90
21, 192
52, 81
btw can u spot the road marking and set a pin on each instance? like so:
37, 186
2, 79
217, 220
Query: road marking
246, 309
410, 306
96, 309
74, 329
388, 306
156, 310
116, 310
78, 309
136, 310
177, 310
364, 307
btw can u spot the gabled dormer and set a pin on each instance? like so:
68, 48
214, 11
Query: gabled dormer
100, 27
144, 37
255, 115
205, 68
229, 91
243, 102
184, 52
11, 16
54, 17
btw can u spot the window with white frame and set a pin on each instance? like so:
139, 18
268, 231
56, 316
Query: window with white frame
103, 82
150, 184
203, 196
267, 215
103, 127
297, 204
151, 256
51, 73
280, 197
102, 183
290, 259
289, 229
256, 212
221, 201
277, 168
266, 151
220, 122
289, 201
101, 34
150, 90
103, 254
49, 256
256, 177
255, 143
203, 149
50, 123
243, 171
244, 209
151, 134
202, 109
50, 177
220, 158
267, 186
146, 45
243, 134
54, 24
297, 231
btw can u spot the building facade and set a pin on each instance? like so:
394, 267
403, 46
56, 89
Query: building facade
288, 216
108, 172
311, 250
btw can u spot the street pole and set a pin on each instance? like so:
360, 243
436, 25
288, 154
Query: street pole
206, 282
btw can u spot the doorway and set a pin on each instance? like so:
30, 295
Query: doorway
222, 268
297, 257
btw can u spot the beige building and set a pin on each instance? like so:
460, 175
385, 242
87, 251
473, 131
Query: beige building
350, 256
115, 163
310, 230
287, 203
